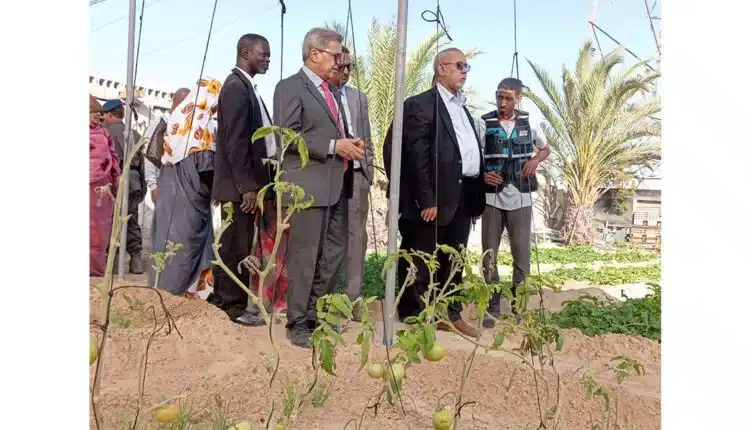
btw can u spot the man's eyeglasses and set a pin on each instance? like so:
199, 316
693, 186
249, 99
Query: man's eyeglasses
346, 66
336, 56
459, 65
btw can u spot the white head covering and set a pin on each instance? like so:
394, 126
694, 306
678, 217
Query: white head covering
192, 127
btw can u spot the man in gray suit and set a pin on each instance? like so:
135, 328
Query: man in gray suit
356, 108
305, 103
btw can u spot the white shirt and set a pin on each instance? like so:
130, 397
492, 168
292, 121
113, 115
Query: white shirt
345, 103
467, 141
318, 81
150, 169
510, 199
271, 138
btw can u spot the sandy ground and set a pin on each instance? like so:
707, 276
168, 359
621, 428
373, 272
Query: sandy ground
216, 357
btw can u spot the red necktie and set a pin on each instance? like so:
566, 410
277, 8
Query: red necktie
335, 112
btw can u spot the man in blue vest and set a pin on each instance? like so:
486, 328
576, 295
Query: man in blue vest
510, 177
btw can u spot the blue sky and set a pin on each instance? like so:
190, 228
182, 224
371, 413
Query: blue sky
550, 32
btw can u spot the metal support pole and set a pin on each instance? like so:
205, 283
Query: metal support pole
129, 130
398, 125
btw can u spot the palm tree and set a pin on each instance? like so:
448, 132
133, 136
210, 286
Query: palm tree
600, 128
375, 74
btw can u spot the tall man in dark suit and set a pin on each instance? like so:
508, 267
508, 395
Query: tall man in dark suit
239, 173
441, 214
306, 103
355, 105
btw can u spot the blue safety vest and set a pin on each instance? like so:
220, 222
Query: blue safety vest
506, 154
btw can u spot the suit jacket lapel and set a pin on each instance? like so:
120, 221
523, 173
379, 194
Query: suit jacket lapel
445, 116
316, 94
256, 102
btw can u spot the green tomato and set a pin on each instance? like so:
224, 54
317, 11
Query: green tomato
167, 414
442, 420
437, 353
375, 370
396, 372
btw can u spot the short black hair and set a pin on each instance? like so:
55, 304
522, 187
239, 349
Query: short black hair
511, 84
249, 40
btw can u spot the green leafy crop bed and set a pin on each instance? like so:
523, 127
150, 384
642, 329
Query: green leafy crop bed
637, 317
374, 286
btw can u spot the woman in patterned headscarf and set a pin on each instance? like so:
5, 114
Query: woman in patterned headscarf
182, 213
104, 174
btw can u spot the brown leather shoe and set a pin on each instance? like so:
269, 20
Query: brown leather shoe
462, 326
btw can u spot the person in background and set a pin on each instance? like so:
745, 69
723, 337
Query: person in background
305, 102
182, 212
104, 174
356, 109
155, 128
113, 112
510, 182
240, 172
437, 203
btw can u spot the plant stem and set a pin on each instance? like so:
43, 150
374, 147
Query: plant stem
114, 244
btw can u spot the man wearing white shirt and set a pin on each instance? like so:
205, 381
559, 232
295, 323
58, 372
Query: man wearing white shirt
355, 106
239, 171
438, 200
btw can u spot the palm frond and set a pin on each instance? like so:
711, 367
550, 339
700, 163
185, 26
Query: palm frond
598, 122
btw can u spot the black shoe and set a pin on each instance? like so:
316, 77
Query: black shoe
249, 319
136, 263
300, 335
488, 322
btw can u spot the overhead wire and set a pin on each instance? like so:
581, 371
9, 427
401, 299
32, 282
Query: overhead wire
119, 18
138, 48
221, 27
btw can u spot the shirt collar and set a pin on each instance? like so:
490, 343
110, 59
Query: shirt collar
249, 78
316, 80
460, 97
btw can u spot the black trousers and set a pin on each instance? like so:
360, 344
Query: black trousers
134, 238
420, 236
236, 244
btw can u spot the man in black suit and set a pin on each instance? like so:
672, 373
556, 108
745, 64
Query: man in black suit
441, 214
239, 172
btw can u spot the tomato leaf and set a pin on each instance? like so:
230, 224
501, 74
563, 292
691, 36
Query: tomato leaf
327, 360
499, 339
332, 319
342, 304
364, 349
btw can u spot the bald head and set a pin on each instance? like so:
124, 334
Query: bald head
450, 69
178, 97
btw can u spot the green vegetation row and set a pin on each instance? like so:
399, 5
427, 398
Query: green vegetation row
374, 286
576, 254
637, 317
